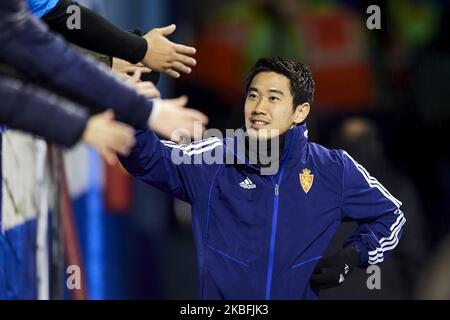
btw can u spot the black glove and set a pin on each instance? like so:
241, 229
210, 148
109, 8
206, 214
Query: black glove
331, 271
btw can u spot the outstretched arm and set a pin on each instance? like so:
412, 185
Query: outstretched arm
59, 121
170, 167
44, 58
98, 34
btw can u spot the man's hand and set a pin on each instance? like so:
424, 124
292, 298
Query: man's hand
145, 88
166, 56
123, 67
332, 271
172, 120
108, 137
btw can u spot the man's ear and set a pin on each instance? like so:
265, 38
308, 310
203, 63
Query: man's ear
301, 112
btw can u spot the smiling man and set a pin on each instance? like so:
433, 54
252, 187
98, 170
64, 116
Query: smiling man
271, 104
262, 236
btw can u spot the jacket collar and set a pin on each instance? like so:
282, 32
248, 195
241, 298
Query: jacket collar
294, 148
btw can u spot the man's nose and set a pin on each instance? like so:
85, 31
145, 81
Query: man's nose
261, 107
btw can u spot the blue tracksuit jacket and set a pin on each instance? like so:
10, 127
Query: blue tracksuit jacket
260, 237
41, 7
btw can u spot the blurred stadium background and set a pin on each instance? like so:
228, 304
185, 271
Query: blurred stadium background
383, 95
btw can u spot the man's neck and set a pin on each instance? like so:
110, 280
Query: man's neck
264, 153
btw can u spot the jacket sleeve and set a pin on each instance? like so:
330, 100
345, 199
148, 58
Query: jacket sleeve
38, 112
44, 58
366, 201
41, 7
179, 170
97, 33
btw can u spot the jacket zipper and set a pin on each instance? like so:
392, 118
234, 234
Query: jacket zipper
272, 238
274, 227
274, 224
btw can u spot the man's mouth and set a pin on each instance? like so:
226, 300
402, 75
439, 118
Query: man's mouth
258, 123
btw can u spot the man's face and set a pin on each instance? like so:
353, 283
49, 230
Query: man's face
269, 106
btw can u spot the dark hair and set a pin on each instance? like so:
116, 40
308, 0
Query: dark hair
300, 76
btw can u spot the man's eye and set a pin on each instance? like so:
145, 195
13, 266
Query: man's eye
252, 96
274, 99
